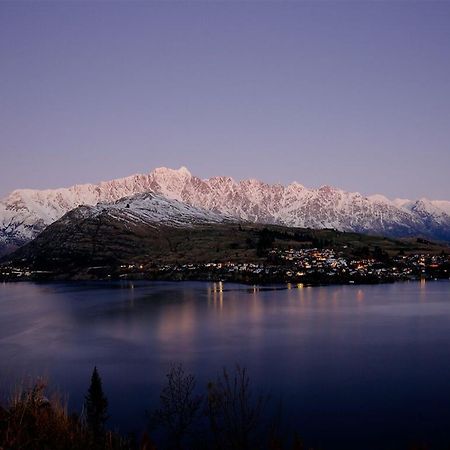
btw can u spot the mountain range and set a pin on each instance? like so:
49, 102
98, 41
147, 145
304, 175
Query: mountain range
180, 197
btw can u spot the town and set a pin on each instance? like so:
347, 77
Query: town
307, 266
310, 266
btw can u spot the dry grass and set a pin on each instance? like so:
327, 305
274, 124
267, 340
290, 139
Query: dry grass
32, 420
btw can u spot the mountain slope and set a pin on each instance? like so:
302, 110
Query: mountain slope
143, 229
25, 213
150, 236
143, 225
149, 209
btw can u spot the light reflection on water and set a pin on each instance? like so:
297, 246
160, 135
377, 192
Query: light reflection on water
355, 365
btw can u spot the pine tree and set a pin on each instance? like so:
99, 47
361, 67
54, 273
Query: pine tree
96, 405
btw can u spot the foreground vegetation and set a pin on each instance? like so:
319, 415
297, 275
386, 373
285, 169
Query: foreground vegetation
228, 415
31, 420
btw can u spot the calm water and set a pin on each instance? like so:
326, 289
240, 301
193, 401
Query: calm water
354, 366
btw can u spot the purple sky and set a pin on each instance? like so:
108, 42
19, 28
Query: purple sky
352, 94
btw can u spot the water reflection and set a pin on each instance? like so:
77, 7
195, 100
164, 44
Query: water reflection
343, 358
360, 295
215, 295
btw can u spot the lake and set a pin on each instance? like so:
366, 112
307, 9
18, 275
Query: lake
356, 367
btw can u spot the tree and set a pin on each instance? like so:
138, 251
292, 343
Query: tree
265, 240
96, 405
179, 405
234, 413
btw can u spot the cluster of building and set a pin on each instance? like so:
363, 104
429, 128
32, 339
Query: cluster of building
312, 266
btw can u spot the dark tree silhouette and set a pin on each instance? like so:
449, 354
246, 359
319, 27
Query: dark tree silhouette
179, 405
96, 405
235, 414
266, 238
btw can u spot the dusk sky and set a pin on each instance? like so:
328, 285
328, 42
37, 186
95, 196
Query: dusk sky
351, 94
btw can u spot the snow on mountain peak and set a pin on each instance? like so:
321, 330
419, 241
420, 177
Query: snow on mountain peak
296, 185
380, 199
24, 213
168, 172
184, 170
443, 205
152, 209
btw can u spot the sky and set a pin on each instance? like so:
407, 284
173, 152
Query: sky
350, 94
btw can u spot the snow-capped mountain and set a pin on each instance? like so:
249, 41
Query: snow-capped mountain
25, 213
148, 209
141, 227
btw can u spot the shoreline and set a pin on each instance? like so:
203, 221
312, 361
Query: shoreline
261, 285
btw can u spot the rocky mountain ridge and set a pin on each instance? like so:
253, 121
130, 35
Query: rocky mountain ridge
25, 212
